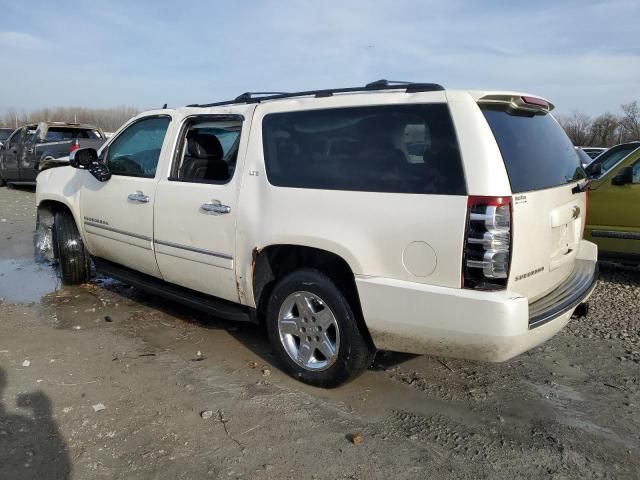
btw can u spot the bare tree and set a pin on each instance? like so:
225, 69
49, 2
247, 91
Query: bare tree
631, 121
604, 130
578, 127
109, 119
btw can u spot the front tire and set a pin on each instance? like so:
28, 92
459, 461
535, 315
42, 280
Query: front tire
72, 257
314, 331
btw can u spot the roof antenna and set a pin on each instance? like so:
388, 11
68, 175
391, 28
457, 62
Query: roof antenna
164, 106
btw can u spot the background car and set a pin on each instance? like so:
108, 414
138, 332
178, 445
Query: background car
613, 219
594, 152
32, 146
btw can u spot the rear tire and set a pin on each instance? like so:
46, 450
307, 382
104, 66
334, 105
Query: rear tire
318, 343
72, 257
2, 182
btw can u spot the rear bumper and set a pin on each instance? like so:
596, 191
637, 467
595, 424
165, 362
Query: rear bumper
493, 326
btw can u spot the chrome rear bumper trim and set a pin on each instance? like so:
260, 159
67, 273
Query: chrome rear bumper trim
567, 296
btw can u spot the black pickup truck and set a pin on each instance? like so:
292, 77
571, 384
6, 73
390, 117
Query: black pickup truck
33, 147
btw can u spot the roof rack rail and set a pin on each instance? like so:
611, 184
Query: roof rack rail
385, 83
250, 97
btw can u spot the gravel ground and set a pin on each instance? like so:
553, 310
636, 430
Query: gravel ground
104, 381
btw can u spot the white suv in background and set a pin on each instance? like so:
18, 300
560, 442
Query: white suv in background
393, 216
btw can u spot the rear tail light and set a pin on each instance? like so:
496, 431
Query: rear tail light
487, 248
75, 146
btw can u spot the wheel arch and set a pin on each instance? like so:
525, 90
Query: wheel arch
273, 262
47, 209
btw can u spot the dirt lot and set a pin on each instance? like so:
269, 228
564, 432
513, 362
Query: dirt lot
103, 381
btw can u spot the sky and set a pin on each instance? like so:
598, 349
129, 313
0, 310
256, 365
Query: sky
581, 55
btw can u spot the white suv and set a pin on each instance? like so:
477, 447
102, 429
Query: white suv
394, 216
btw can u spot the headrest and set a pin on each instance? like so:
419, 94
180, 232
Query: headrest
203, 145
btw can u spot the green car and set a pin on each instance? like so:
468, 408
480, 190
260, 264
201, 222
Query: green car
613, 218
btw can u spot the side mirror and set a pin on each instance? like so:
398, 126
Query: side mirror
623, 177
83, 157
87, 159
595, 170
1, 146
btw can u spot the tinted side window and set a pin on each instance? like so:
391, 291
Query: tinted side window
136, 151
396, 149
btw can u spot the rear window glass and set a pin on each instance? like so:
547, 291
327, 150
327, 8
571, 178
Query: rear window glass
61, 133
396, 148
5, 133
536, 151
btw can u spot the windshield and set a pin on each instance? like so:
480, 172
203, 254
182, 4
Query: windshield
585, 159
610, 159
536, 151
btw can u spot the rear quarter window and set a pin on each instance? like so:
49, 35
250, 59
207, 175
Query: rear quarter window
395, 149
536, 152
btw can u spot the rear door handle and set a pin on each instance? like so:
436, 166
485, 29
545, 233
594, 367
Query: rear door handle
214, 207
138, 197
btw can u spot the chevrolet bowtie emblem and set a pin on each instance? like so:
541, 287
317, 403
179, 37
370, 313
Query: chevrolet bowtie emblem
575, 213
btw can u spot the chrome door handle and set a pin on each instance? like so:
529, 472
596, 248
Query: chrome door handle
214, 207
138, 197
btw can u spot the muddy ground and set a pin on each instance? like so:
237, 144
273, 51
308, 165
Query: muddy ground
104, 381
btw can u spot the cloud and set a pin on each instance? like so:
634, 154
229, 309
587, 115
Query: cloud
19, 40
582, 54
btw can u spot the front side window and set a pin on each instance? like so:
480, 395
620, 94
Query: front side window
135, 152
610, 159
386, 148
208, 150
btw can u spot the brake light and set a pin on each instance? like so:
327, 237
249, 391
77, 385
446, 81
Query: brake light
535, 101
75, 146
487, 246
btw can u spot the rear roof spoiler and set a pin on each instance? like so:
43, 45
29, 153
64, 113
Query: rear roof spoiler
518, 102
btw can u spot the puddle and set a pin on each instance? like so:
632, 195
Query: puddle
25, 281
557, 393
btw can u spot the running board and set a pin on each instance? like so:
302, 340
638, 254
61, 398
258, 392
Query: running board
206, 303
